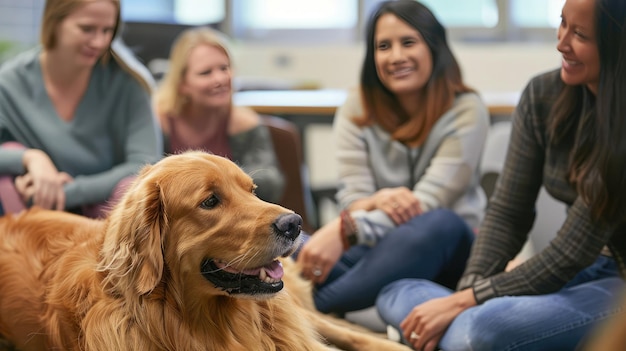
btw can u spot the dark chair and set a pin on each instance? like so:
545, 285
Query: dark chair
288, 148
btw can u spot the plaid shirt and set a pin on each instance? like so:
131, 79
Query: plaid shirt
532, 161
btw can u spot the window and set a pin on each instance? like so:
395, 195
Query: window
467, 13
536, 13
343, 21
469, 20
199, 11
186, 12
295, 20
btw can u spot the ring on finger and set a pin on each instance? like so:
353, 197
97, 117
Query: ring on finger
317, 271
414, 336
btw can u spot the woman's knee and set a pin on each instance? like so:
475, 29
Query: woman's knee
121, 188
432, 229
479, 328
10, 198
397, 299
440, 221
101, 210
12, 145
445, 222
498, 324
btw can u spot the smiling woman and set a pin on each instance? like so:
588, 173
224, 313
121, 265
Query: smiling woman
195, 109
75, 120
567, 136
408, 148
395, 40
577, 43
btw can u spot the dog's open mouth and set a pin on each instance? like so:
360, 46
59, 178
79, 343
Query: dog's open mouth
252, 281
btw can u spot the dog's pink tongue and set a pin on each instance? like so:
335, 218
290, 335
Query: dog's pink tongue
274, 270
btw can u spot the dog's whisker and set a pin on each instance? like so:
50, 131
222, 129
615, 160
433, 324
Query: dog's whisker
243, 259
225, 265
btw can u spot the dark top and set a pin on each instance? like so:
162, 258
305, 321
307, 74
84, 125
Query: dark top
532, 161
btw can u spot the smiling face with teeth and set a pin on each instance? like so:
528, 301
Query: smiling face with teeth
221, 238
403, 60
578, 44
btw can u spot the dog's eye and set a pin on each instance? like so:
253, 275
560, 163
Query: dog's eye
210, 203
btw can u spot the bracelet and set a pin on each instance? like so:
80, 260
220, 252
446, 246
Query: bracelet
348, 230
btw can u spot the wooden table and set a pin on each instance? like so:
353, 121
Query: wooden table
324, 102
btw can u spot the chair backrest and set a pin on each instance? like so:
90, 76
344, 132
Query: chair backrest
288, 148
551, 213
494, 155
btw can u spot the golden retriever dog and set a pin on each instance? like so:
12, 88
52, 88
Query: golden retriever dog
190, 259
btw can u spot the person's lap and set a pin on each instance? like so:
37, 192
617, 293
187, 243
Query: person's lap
555, 321
432, 246
11, 202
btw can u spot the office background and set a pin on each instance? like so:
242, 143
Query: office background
493, 59
500, 45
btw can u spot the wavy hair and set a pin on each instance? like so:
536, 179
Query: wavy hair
381, 105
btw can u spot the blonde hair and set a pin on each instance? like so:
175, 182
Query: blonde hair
168, 100
55, 11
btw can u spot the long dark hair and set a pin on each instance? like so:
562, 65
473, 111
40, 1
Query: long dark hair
380, 104
598, 159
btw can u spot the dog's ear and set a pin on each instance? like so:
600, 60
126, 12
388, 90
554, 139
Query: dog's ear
132, 254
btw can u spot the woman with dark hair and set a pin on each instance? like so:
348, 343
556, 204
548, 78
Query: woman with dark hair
568, 135
408, 146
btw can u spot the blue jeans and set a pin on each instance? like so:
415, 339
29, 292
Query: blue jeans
432, 246
556, 321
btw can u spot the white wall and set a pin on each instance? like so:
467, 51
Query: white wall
488, 67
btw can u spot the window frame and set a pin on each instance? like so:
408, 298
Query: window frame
504, 31
234, 28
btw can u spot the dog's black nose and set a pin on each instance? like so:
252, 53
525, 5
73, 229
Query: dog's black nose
288, 225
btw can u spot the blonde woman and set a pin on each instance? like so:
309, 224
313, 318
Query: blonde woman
75, 120
195, 109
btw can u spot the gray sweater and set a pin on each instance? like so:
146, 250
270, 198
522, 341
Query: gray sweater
112, 135
443, 172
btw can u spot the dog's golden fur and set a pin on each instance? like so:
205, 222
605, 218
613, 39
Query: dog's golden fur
143, 279
609, 335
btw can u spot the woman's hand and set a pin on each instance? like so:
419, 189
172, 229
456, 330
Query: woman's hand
43, 182
320, 254
25, 188
426, 323
398, 203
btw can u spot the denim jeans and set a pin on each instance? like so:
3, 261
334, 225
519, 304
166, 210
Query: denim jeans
556, 321
432, 246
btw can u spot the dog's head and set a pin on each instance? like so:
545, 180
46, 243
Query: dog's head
193, 221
